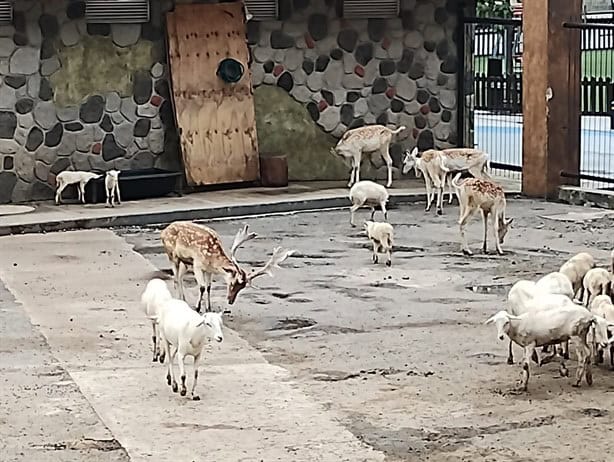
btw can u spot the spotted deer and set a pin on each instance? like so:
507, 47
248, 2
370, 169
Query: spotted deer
192, 246
369, 139
489, 198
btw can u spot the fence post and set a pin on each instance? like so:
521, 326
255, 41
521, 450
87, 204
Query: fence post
610, 101
551, 58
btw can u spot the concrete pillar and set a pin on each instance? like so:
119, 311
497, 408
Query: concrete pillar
551, 129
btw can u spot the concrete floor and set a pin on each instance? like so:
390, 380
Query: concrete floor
335, 358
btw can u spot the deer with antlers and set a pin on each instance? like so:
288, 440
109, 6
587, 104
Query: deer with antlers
190, 245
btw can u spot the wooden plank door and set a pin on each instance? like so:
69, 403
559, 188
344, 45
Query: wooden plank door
216, 120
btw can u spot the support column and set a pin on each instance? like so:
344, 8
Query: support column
551, 129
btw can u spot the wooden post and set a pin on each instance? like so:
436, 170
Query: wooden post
551, 129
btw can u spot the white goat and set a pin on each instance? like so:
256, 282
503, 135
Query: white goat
575, 268
155, 294
595, 282
370, 194
369, 139
438, 167
111, 185
602, 306
68, 177
547, 327
555, 283
381, 235
488, 197
184, 333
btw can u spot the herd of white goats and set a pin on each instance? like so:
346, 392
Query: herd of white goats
573, 303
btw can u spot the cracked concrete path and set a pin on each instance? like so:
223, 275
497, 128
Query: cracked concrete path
82, 290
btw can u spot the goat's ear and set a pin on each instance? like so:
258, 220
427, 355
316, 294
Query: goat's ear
414, 152
490, 320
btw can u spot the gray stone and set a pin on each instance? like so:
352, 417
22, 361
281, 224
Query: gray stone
45, 115
69, 33
7, 46
33, 86
395, 51
117, 118
413, 39
406, 88
156, 122
369, 119
25, 120
146, 110
85, 138
157, 70
352, 82
314, 81
46, 155
425, 12
125, 35
98, 133
333, 75
434, 33
7, 30
349, 63
371, 72
257, 74
4, 66
124, 134
378, 103
49, 66
7, 97
67, 113
33, 32
263, 54
98, 163
24, 61
293, 28
447, 98
142, 159
112, 102
68, 145
269, 79
82, 27
329, 118
360, 107
364, 92
442, 131
339, 130
24, 165
408, 4
80, 161
7, 183
293, 59
279, 56
121, 164
379, 52
155, 140
22, 192
301, 93
92, 109
141, 143
21, 135
128, 109
431, 67
8, 146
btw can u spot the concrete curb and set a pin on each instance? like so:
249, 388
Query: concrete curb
208, 213
575, 195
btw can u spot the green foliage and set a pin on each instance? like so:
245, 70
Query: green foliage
494, 8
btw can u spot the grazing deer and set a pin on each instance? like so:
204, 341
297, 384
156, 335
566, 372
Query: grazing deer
189, 245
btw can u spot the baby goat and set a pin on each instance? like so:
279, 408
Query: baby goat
575, 268
68, 177
381, 235
189, 245
595, 282
155, 295
366, 140
370, 194
184, 333
488, 197
111, 186
602, 306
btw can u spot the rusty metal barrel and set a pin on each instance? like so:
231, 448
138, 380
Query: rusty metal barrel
274, 170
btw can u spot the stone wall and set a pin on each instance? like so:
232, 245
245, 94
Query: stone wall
348, 73
79, 96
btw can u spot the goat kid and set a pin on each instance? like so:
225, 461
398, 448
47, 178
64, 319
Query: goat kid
575, 269
488, 197
111, 186
366, 140
192, 246
68, 177
370, 194
602, 306
381, 235
184, 333
155, 295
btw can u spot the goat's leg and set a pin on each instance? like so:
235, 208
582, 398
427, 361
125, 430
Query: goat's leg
161, 345
375, 248
182, 269
353, 209
526, 371
154, 338
82, 189
485, 223
58, 193
195, 397
462, 222
372, 213
118, 199
612, 357
200, 279
586, 297
181, 360
510, 356
389, 254
170, 374
384, 211
208, 280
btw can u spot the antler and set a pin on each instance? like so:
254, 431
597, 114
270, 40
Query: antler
279, 255
241, 237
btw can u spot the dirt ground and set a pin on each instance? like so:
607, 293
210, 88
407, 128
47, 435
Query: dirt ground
401, 354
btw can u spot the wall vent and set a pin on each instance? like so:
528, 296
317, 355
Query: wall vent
365, 9
6, 12
117, 11
262, 10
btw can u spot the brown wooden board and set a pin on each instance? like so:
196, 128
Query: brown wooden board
216, 120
